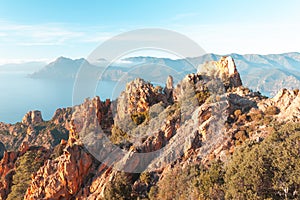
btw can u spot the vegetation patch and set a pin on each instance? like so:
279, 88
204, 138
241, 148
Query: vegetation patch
119, 188
140, 117
118, 136
26, 165
268, 169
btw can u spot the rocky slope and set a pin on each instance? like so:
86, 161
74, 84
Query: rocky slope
96, 149
35, 131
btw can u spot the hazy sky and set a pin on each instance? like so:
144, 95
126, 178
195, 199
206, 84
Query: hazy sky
46, 29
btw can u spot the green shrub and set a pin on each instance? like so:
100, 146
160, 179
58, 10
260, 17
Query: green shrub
26, 165
192, 182
256, 115
202, 96
4, 132
139, 118
272, 110
145, 177
57, 131
153, 192
118, 136
266, 170
119, 188
237, 113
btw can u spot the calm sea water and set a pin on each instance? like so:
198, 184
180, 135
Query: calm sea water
19, 94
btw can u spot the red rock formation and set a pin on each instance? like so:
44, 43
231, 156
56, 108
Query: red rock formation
6, 172
32, 117
62, 116
138, 96
63, 177
93, 113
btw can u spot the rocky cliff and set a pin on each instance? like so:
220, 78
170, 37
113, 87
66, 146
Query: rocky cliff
35, 131
144, 133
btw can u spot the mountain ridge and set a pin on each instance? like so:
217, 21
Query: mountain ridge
255, 69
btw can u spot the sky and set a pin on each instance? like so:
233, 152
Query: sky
42, 30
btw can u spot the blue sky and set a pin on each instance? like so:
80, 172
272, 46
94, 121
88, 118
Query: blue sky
46, 29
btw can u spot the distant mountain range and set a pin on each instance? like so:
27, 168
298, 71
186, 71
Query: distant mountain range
266, 73
28, 67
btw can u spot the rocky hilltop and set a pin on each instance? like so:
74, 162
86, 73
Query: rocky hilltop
177, 142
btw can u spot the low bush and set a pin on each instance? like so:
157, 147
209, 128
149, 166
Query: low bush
272, 110
119, 188
140, 117
26, 165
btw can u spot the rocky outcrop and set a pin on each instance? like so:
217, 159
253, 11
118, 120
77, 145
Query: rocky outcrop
138, 96
168, 90
69, 175
95, 191
32, 117
287, 102
63, 177
93, 113
188, 87
42, 133
213, 78
225, 69
62, 116
7, 165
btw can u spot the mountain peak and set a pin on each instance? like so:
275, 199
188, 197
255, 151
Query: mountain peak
227, 65
63, 59
61, 68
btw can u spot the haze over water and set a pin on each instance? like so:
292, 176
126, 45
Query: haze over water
20, 94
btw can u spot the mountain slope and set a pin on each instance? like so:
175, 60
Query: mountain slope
163, 143
61, 68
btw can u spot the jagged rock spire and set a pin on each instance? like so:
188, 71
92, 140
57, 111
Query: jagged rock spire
32, 117
169, 89
224, 69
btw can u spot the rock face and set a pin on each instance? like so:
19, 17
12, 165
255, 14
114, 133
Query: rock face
32, 117
93, 112
189, 86
228, 67
288, 103
8, 166
6, 172
62, 116
138, 96
63, 177
169, 89
225, 69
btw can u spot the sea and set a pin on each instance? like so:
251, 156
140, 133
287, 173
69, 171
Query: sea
20, 94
